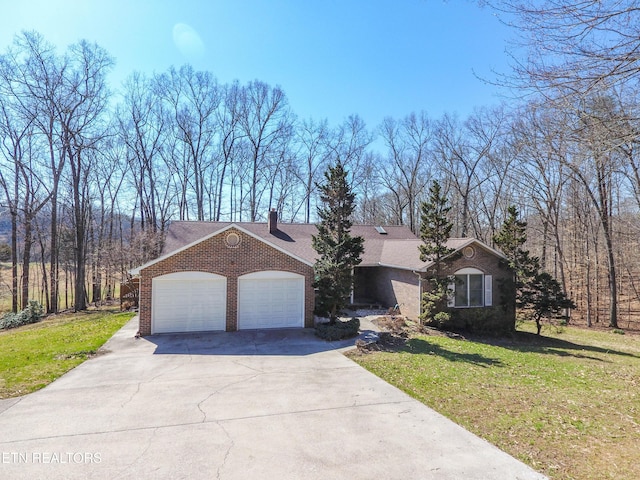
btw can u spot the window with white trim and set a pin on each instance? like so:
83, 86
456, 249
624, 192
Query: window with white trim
472, 288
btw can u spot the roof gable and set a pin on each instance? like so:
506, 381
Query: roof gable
390, 246
184, 236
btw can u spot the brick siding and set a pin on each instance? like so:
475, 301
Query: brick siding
214, 256
498, 318
483, 260
388, 287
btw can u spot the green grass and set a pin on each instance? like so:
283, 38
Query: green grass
567, 404
33, 356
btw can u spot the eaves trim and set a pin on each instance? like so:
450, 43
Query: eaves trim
137, 270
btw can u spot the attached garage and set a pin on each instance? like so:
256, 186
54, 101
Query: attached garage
188, 302
217, 276
271, 299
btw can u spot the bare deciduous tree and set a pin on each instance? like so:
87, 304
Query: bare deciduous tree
407, 171
266, 121
193, 99
313, 153
141, 127
574, 46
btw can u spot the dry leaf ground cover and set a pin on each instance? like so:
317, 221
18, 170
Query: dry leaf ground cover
566, 403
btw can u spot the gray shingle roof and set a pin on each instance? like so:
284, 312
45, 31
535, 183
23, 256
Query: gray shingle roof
294, 238
397, 247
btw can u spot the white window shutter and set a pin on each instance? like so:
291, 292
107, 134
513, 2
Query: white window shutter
488, 290
451, 294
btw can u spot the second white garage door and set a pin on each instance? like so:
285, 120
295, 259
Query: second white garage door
188, 302
270, 299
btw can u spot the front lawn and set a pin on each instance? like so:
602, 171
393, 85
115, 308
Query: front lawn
33, 356
566, 403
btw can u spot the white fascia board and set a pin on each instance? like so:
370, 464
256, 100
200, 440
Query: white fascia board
136, 271
403, 267
466, 244
181, 249
485, 246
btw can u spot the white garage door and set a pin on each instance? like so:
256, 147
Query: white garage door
270, 299
188, 302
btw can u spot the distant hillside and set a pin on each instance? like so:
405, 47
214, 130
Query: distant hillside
5, 226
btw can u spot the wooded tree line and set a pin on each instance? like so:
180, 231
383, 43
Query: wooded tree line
91, 177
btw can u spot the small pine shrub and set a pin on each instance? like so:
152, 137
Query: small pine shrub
618, 331
440, 320
338, 331
32, 314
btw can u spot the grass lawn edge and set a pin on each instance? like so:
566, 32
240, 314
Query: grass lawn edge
35, 355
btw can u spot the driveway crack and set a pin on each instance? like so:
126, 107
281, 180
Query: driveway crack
237, 362
140, 456
184, 424
122, 405
232, 444
215, 392
165, 372
204, 414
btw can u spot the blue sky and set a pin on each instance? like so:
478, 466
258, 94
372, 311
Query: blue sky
332, 58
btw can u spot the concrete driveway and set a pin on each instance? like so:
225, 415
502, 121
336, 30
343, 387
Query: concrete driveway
244, 405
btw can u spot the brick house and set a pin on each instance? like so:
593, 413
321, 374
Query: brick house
240, 275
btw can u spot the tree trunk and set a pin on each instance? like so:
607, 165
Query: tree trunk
613, 285
26, 260
604, 189
14, 260
80, 233
43, 265
53, 272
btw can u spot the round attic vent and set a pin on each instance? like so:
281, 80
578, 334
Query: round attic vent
468, 252
232, 240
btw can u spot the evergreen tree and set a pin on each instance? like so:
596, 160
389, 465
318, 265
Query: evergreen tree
534, 291
435, 230
543, 298
338, 251
510, 240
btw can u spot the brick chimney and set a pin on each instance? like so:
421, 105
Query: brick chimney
273, 221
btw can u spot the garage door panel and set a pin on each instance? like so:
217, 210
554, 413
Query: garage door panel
189, 303
271, 300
